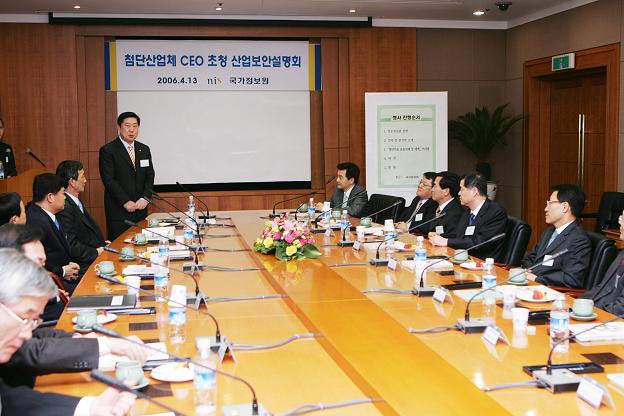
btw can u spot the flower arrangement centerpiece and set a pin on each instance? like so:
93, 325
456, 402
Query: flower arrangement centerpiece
288, 239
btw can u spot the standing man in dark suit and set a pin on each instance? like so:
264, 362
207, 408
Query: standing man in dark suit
484, 220
128, 175
422, 208
444, 192
608, 295
48, 201
21, 302
348, 194
84, 236
563, 207
7, 157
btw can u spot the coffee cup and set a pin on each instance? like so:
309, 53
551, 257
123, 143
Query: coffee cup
134, 283
583, 307
460, 255
336, 214
153, 222
127, 253
105, 267
129, 371
517, 275
86, 318
366, 221
140, 238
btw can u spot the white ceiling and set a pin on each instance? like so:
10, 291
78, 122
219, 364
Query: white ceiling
458, 10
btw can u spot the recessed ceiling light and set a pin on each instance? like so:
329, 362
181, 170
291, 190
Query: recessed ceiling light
478, 12
219, 7
352, 11
76, 7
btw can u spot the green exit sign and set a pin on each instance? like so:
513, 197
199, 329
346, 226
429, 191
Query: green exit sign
561, 62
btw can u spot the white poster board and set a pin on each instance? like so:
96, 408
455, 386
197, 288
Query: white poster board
406, 135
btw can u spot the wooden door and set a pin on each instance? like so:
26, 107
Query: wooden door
577, 134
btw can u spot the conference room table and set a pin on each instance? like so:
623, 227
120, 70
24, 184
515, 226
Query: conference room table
363, 347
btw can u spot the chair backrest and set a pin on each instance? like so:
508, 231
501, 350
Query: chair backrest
603, 253
610, 208
378, 202
516, 241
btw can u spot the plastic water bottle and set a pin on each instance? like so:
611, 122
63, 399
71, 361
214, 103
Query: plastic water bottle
161, 283
489, 280
420, 256
326, 213
389, 236
559, 324
191, 206
311, 210
344, 224
1, 170
205, 379
177, 315
163, 250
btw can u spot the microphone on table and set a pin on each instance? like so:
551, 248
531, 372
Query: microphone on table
243, 410
273, 214
120, 386
345, 243
383, 262
362, 191
559, 379
201, 217
479, 324
428, 290
31, 154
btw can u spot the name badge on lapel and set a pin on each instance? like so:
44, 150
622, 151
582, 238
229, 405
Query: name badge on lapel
418, 217
440, 229
547, 260
470, 230
144, 163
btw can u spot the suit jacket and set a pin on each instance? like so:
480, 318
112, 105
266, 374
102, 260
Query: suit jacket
490, 221
54, 241
83, 234
449, 222
50, 351
8, 159
358, 199
609, 294
427, 210
568, 270
23, 401
123, 182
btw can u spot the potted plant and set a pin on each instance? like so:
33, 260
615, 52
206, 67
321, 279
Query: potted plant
480, 131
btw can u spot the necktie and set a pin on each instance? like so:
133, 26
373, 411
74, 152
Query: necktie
80, 206
438, 211
57, 223
552, 238
131, 153
471, 220
345, 199
420, 204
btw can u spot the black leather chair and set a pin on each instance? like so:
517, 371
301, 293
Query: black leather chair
603, 254
610, 208
378, 202
516, 241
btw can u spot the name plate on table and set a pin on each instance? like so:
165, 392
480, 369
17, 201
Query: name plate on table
594, 393
356, 245
392, 264
441, 295
493, 334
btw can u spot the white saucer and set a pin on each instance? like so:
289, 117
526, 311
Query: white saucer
82, 330
584, 318
144, 382
526, 282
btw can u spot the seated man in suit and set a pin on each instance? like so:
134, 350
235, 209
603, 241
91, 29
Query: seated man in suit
562, 209
608, 295
24, 289
49, 200
12, 209
422, 208
84, 236
50, 350
484, 220
348, 194
444, 192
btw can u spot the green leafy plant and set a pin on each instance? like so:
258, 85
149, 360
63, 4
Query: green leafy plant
480, 131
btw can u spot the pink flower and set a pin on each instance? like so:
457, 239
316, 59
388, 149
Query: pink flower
277, 236
289, 238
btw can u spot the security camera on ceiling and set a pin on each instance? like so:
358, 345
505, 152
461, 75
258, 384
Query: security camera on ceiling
503, 6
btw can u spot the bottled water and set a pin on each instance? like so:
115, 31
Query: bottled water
344, 224
311, 211
188, 236
205, 379
389, 236
191, 206
489, 280
326, 213
420, 256
177, 315
163, 250
161, 283
559, 324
